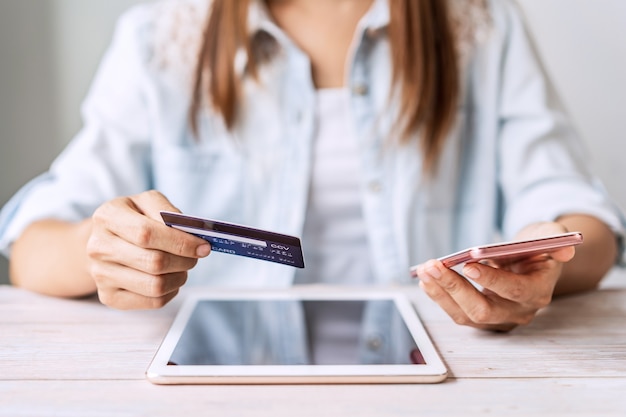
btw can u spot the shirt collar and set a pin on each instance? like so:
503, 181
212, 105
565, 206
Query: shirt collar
259, 18
377, 17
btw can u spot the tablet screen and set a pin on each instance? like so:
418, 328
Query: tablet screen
294, 332
296, 335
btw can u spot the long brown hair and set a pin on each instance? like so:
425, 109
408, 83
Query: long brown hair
423, 55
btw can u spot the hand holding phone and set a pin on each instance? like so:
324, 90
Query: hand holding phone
513, 250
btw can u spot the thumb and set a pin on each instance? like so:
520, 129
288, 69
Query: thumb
152, 203
563, 254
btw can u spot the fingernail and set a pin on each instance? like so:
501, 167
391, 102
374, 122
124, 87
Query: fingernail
203, 250
471, 272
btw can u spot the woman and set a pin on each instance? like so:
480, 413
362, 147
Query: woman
384, 132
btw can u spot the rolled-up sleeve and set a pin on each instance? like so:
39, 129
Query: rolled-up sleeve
110, 156
543, 165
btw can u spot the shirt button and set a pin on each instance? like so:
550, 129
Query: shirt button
374, 186
359, 89
374, 343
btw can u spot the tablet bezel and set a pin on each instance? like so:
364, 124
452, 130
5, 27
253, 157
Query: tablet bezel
159, 372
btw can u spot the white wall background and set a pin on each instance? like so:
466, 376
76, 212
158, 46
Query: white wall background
583, 43
49, 50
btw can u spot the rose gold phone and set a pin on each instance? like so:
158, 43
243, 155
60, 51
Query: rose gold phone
510, 250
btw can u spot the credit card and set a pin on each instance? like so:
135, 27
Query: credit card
240, 240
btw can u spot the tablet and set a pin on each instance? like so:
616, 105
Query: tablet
296, 336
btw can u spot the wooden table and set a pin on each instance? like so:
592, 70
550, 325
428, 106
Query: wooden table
79, 358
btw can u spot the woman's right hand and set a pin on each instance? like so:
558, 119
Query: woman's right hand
136, 261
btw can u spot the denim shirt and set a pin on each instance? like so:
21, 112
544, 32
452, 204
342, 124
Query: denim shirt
511, 159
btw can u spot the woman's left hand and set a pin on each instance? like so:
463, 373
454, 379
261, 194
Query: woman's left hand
512, 293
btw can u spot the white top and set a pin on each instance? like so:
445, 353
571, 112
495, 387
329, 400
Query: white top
334, 240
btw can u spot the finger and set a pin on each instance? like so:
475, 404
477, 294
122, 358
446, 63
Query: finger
122, 218
126, 300
564, 254
152, 202
110, 276
443, 299
467, 305
111, 249
457, 314
533, 288
460, 299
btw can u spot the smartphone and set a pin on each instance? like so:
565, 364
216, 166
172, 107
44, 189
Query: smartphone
510, 250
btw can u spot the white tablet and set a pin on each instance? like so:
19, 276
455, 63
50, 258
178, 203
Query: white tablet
296, 336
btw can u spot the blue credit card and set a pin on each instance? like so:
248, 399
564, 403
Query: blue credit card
240, 240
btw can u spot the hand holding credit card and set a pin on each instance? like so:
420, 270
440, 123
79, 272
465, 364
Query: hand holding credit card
240, 240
